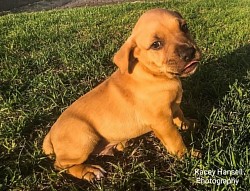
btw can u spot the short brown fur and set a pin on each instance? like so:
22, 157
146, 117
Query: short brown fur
143, 95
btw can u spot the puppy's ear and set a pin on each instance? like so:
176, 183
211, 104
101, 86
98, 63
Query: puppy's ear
178, 14
124, 58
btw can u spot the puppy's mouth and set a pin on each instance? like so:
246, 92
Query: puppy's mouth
190, 68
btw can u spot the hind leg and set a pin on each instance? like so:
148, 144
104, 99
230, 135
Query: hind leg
47, 146
73, 149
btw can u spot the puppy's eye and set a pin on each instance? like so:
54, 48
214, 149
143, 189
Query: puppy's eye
157, 45
184, 27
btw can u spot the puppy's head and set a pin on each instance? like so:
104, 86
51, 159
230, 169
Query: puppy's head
161, 43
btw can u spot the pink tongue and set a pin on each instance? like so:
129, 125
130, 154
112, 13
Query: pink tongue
190, 67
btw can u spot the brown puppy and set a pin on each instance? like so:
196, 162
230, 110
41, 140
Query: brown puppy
143, 95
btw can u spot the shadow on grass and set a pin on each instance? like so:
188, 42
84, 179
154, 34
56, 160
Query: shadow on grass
207, 87
205, 90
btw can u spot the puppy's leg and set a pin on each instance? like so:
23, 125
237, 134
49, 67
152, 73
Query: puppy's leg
172, 140
179, 119
85, 171
170, 137
71, 153
47, 146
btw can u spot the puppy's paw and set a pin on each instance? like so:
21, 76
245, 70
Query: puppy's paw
93, 172
87, 172
189, 124
194, 153
178, 153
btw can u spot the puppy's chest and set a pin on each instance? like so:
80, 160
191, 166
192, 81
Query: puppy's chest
157, 97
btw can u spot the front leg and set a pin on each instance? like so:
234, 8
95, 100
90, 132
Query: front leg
169, 135
183, 124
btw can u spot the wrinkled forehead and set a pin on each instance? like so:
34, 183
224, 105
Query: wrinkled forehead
157, 23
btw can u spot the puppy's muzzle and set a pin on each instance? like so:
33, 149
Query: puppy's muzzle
186, 53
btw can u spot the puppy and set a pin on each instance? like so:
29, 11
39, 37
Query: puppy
143, 95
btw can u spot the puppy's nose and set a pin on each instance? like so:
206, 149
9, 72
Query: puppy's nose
186, 53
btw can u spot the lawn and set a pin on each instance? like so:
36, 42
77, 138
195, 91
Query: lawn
49, 59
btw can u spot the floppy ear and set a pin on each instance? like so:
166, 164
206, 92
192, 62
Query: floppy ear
178, 14
124, 58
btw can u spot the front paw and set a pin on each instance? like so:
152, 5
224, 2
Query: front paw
188, 124
194, 153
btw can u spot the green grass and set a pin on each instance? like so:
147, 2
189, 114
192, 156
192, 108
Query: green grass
49, 59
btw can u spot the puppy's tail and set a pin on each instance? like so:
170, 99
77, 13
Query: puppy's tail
47, 145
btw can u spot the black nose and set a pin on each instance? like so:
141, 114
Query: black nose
186, 53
